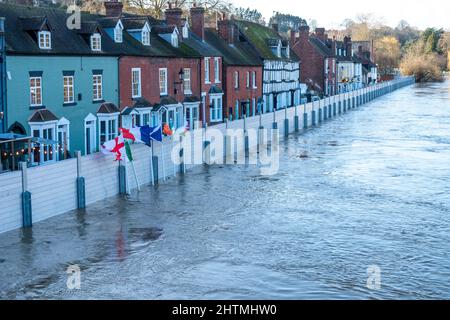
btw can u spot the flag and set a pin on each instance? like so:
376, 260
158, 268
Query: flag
128, 151
166, 130
143, 134
115, 147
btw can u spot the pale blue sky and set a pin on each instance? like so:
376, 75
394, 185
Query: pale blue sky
330, 13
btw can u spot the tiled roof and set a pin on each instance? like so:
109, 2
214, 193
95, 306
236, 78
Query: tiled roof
142, 103
189, 99
168, 100
33, 23
134, 23
238, 54
107, 108
321, 46
43, 115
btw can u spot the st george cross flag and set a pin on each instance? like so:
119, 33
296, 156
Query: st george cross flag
143, 134
115, 147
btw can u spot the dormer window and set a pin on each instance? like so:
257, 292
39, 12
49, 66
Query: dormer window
185, 31
145, 37
174, 40
45, 40
118, 33
96, 42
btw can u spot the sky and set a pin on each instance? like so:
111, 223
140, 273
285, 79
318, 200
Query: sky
331, 13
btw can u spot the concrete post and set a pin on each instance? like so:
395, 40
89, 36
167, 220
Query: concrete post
274, 123
320, 114
155, 168
207, 152
286, 123
81, 185
296, 120
122, 179
27, 215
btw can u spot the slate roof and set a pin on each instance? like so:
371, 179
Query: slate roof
259, 36
107, 108
134, 23
215, 90
168, 100
238, 54
43, 115
321, 46
202, 47
71, 42
189, 99
89, 27
142, 103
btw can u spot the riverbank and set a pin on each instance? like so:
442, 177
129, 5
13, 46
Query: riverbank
100, 174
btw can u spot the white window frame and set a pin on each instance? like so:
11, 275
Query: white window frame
174, 39
45, 40
216, 100
187, 85
254, 80
217, 70
70, 89
163, 91
63, 122
118, 33
96, 42
97, 93
248, 79
207, 71
34, 89
110, 133
145, 35
136, 87
41, 126
236, 79
185, 31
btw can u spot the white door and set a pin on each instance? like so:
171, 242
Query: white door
90, 137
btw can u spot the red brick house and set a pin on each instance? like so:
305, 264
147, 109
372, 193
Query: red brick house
318, 56
159, 74
243, 71
209, 75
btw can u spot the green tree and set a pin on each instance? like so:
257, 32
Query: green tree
287, 21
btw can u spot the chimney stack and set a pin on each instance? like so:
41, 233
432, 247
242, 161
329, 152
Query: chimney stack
275, 27
198, 21
293, 38
227, 30
173, 16
304, 34
113, 8
333, 46
320, 33
348, 46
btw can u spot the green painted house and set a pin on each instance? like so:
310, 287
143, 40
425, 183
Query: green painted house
62, 83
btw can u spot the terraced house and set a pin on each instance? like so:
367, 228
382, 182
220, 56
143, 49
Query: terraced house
62, 84
243, 71
281, 75
158, 72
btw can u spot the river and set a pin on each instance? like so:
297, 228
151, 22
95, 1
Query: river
368, 188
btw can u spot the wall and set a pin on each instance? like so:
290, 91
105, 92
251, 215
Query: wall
18, 97
150, 77
101, 172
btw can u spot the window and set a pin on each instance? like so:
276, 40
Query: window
185, 31
217, 70
187, 81
97, 86
216, 108
35, 91
118, 35
96, 42
236, 80
43, 153
174, 39
108, 128
207, 80
45, 40
248, 79
145, 37
136, 82
68, 89
163, 81
254, 79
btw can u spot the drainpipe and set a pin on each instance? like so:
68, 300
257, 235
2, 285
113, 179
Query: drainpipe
3, 114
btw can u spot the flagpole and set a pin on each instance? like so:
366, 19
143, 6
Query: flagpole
174, 166
135, 176
151, 165
128, 179
162, 159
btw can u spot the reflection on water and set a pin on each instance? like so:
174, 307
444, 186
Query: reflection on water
371, 187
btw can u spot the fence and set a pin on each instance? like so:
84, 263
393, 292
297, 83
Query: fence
35, 194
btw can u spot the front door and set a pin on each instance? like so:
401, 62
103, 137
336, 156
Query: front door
90, 138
